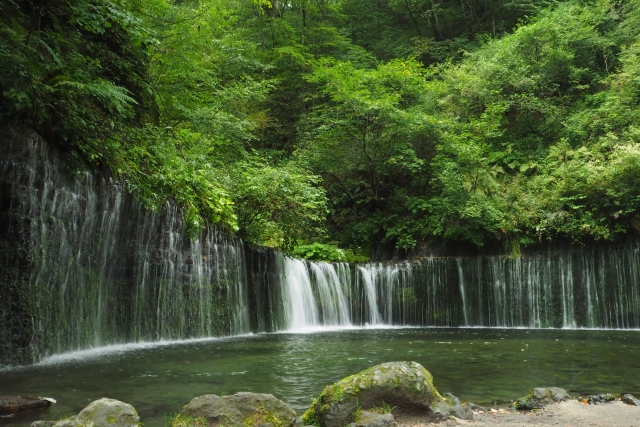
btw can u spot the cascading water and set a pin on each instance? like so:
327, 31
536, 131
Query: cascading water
301, 308
581, 288
104, 271
83, 265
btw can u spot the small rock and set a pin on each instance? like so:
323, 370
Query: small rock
43, 424
541, 397
372, 419
476, 408
456, 409
594, 399
630, 400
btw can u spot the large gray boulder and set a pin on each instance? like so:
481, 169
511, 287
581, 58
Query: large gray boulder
405, 387
241, 409
100, 413
540, 397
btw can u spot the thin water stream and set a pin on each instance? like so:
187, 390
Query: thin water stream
486, 366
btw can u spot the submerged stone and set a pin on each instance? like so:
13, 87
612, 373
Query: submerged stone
17, 405
406, 388
241, 409
629, 399
540, 397
99, 413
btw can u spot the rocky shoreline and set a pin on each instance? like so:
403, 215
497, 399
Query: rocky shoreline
395, 394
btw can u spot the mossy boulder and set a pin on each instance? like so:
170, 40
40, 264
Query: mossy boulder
238, 410
101, 413
540, 397
406, 387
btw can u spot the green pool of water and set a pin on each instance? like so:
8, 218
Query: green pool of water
485, 366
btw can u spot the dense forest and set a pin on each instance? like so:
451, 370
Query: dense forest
313, 125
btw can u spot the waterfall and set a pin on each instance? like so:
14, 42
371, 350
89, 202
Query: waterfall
372, 316
103, 270
83, 265
301, 308
463, 292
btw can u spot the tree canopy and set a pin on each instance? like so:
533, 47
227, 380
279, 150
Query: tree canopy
350, 123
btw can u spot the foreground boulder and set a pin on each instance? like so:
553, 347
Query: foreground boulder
100, 413
630, 400
406, 388
538, 398
241, 409
18, 405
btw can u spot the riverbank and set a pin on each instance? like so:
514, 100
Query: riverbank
570, 413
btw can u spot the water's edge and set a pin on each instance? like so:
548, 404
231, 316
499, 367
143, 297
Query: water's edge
83, 265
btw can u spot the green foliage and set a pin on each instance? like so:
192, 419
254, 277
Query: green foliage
384, 408
310, 416
327, 252
185, 421
469, 151
277, 204
74, 71
357, 413
313, 121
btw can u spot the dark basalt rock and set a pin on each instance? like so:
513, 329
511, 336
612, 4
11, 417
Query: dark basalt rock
630, 400
540, 397
18, 405
241, 409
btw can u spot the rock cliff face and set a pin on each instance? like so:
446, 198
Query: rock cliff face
82, 264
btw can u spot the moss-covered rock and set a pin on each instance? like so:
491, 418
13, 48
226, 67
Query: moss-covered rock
101, 413
238, 410
594, 399
540, 397
407, 387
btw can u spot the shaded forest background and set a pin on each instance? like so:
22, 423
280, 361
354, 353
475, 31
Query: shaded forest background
328, 127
